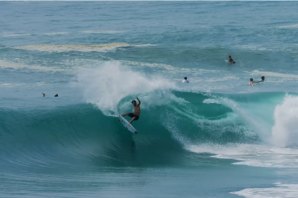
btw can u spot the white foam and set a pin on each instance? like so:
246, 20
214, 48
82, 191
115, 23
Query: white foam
165, 67
211, 101
251, 154
289, 26
108, 83
74, 47
279, 191
285, 128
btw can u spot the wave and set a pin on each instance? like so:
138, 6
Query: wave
81, 133
276, 145
14, 35
55, 33
73, 47
20, 66
102, 32
173, 126
289, 26
275, 75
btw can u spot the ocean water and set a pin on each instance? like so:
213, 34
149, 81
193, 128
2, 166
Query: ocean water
215, 136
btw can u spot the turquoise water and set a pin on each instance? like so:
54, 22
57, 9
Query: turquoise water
213, 137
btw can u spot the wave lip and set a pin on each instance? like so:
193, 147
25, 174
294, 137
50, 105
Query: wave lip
108, 84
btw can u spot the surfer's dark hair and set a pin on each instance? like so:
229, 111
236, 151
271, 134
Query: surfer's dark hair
263, 78
251, 79
133, 101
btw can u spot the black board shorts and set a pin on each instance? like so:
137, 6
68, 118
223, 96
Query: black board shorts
133, 115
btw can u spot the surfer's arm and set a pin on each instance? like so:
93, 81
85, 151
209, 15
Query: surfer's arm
139, 102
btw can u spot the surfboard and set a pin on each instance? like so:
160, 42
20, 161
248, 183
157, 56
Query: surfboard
127, 125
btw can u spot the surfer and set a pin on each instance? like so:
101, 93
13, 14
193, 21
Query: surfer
231, 60
185, 80
136, 110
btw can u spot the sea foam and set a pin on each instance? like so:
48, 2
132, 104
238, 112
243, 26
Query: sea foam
108, 83
284, 130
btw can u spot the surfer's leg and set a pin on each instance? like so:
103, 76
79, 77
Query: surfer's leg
132, 119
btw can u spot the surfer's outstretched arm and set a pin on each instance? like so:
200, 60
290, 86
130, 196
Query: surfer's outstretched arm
139, 102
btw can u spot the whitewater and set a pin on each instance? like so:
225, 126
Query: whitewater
215, 136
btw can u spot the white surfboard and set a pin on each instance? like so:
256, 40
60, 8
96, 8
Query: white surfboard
127, 125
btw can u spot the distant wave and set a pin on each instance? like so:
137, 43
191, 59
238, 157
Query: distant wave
74, 47
286, 76
289, 26
17, 66
102, 31
13, 34
55, 33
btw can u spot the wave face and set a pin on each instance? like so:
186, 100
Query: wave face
83, 135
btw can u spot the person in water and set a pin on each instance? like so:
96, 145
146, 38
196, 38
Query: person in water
185, 80
136, 110
252, 82
231, 60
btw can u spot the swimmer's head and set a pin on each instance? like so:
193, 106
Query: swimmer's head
263, 78
251, 79
185, 78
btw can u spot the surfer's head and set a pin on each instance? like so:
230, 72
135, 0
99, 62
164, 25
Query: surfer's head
251, 79
134, 102
185, 78
263, 78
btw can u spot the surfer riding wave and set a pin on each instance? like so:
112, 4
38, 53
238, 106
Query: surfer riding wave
136, 111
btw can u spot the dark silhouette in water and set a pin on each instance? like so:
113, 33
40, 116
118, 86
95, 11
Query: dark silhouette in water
231, 60
252, 82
